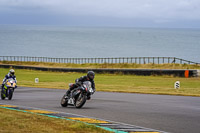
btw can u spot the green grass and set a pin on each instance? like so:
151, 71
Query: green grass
110, 82
19, 122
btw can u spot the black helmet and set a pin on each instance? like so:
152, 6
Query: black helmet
90, 75
12, 72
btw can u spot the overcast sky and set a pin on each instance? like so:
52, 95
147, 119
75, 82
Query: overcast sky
126, 13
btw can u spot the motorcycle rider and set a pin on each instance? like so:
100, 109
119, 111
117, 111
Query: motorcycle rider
11, 74
78, 82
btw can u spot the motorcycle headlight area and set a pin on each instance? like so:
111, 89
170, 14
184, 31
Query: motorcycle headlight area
8, 84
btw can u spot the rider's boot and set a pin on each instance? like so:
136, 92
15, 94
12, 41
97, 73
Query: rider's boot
68, 92
2, 88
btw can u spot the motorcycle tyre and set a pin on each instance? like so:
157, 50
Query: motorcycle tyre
10, 94
84, 97
64, 101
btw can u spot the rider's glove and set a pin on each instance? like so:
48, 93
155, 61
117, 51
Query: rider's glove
93, 91
16, 86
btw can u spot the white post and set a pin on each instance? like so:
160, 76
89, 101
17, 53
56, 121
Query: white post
177, 85
36, 80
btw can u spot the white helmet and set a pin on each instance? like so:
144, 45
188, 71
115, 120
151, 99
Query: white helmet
12, 72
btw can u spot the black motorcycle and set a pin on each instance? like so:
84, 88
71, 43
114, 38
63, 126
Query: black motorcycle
78, 96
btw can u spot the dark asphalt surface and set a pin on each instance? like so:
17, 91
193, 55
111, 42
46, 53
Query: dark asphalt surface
175, 114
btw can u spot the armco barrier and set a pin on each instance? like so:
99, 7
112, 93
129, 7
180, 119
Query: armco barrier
146, 72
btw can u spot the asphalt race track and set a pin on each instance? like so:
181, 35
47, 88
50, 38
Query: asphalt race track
175, 114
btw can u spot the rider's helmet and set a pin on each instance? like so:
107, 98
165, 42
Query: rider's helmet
12, 72
90, 75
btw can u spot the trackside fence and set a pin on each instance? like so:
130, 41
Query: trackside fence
136, 60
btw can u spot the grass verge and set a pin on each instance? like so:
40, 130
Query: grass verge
110, 82
19, 122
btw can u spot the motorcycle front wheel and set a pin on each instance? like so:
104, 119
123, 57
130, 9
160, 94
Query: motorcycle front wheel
10, 94
64, 101
80, 101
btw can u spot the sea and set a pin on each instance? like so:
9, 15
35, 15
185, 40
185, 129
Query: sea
89, 42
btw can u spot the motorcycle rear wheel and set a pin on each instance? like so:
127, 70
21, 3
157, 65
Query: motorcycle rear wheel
64, 101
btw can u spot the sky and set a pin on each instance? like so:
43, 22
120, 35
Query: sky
122, 13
